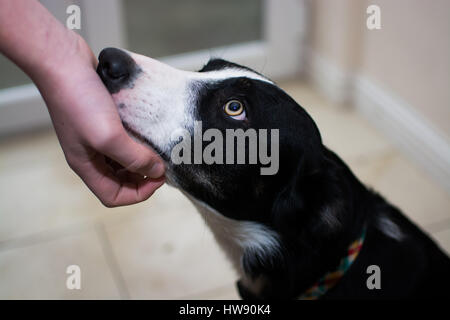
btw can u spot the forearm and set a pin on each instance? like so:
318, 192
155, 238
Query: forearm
35, 40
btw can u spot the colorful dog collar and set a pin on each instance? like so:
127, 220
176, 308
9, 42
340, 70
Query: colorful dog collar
330, 279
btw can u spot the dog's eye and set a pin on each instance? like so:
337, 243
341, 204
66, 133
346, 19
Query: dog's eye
235, 109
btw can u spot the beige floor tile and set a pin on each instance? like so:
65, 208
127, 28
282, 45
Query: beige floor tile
39, 192
29, 150
368, 168
409, 188
38, 271
227, 292
443, 238
168, 254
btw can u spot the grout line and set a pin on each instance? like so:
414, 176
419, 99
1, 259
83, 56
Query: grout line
112, 261
44, 236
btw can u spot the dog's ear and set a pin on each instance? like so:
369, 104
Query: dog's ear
311, 197
289, 203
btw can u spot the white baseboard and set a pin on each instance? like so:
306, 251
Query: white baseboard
405, 127
331, 80
395, 118
22, 109
251, 54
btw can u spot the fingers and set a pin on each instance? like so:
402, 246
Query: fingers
111, 190
132, 155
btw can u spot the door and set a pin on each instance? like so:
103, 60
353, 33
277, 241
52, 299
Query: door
266, 35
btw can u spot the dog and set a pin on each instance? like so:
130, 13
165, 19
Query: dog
311, 230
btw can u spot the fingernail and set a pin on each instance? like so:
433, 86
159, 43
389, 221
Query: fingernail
156, 171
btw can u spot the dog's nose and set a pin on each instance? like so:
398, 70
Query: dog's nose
115, 68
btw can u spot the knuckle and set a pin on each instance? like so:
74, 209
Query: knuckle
108, 203
137, 165
141, 164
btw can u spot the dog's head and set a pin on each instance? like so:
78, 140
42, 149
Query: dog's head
189, 118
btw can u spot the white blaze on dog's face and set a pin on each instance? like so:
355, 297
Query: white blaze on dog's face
160, 99
155, 101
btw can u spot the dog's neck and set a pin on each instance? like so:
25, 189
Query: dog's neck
241, 238
285, 260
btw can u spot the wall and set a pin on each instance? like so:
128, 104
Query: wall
409, 56
397, 76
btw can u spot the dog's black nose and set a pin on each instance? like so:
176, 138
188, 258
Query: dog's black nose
115, 68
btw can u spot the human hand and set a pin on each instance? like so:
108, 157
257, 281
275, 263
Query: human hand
90, 131
84, 115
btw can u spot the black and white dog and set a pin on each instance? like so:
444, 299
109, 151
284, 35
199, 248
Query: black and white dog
312, 229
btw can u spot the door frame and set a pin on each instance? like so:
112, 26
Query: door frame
279, 55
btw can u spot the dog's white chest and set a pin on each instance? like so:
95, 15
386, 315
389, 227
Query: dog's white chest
235, 236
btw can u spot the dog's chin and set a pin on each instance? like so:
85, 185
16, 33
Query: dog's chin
145, 141
171, 179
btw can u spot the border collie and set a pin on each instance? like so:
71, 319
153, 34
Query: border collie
312, 230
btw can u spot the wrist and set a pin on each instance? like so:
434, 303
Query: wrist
74, 55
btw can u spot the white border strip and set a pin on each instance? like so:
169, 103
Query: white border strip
13, 94
251, 54
405, 127
332, 81
22, 109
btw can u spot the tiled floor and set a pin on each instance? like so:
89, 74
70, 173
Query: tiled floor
161, 249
